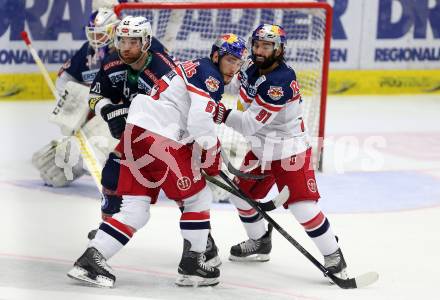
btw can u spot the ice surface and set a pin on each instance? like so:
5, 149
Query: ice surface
381, 189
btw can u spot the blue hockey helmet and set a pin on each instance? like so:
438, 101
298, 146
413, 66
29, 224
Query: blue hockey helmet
230, 44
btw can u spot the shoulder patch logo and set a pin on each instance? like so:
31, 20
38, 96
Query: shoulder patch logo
275, 92
212, 84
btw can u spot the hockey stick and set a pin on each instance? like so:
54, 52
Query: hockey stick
237, 172
350, 283
272, 204
86, 151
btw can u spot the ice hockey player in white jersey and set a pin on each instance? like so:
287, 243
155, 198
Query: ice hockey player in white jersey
135, 69
173, 128
273, 122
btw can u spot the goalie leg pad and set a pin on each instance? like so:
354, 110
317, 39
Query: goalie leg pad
59, 162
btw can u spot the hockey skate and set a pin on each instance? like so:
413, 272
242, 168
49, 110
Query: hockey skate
336, 264
92, 269
253, 250
211, 253
194, 271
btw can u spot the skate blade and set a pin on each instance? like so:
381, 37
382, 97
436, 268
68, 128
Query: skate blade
80, 274
250, 258
195, 281
214, 262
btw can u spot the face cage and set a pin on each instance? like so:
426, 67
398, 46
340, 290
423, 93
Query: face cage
92, 34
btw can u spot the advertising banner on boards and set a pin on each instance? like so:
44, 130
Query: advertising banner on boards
367, 35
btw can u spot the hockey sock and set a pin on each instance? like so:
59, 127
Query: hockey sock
117, 230
316, 225
111, 237
252, 221
195, 219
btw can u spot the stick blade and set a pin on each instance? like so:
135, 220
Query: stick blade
356, 282
366, 279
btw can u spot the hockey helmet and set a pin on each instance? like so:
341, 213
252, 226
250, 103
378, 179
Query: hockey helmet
230, 44
135, 27
100, 29
269, 33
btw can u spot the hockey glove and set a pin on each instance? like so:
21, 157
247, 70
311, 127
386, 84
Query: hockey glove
221, 113
211, 160
115, 116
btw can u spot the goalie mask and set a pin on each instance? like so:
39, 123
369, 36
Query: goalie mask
101, 28
134, 27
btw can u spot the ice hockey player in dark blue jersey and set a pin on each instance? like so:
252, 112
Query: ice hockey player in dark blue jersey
135, 68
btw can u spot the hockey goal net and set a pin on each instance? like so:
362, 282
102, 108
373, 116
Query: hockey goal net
189, 29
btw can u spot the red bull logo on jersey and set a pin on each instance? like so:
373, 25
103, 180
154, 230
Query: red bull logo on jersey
212, 84
275, 92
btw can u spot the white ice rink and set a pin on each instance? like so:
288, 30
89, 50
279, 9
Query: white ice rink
380, 188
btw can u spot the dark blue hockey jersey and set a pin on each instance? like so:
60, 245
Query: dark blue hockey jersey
86, 62
118, 82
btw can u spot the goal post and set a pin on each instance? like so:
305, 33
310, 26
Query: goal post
189, 29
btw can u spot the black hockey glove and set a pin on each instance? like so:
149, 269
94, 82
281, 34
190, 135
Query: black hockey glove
115, 116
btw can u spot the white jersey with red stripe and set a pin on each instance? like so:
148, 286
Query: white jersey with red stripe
273, 116
182, 104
